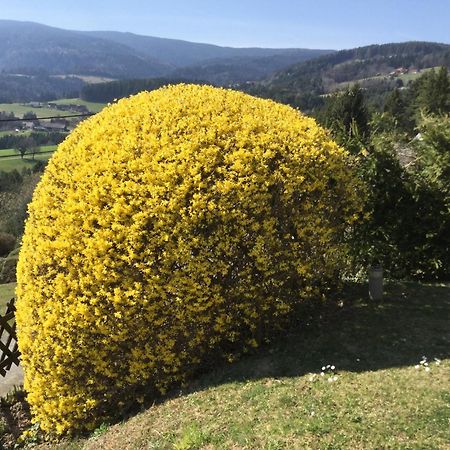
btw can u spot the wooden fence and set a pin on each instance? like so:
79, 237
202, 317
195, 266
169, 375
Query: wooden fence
9, 352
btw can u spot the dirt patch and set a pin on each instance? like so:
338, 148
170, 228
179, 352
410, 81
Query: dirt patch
15, 418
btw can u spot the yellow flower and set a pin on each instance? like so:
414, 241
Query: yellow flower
169, 226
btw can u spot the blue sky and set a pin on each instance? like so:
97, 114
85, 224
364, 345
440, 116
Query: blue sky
281, 23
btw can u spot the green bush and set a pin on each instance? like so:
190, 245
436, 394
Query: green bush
407, 226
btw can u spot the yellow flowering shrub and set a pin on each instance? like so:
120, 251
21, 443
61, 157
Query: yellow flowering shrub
171, 225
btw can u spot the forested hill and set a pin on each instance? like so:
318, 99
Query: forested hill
178, 53
33, 49
28, 48
241, 69
373, 65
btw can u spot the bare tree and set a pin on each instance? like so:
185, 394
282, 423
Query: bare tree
26, 145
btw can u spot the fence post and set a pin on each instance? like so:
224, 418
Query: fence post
376, 282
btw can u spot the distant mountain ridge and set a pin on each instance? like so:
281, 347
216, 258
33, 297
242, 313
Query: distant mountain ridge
368, 61
179, 53
374, 67
32, 48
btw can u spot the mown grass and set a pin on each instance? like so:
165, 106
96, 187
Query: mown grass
278, 399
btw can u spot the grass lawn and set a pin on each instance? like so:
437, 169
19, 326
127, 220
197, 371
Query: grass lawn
379, 395
92, 106
6, 294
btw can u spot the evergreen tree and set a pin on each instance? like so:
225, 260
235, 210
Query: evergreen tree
398, 107
347, 116
432, 92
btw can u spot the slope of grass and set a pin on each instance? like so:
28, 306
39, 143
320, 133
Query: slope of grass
379, 394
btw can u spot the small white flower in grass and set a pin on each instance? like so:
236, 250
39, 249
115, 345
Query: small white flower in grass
425, 364
437, 361
427, 369
323, 368
416, 366
312, 413
358, 360
322, 374
332, 367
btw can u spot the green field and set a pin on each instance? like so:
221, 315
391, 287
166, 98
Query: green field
19, 110
14, 161
8, 152
13, 152
93, 107
10, 164
407, 77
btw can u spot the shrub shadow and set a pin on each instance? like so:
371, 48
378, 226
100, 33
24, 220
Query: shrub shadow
359, 335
